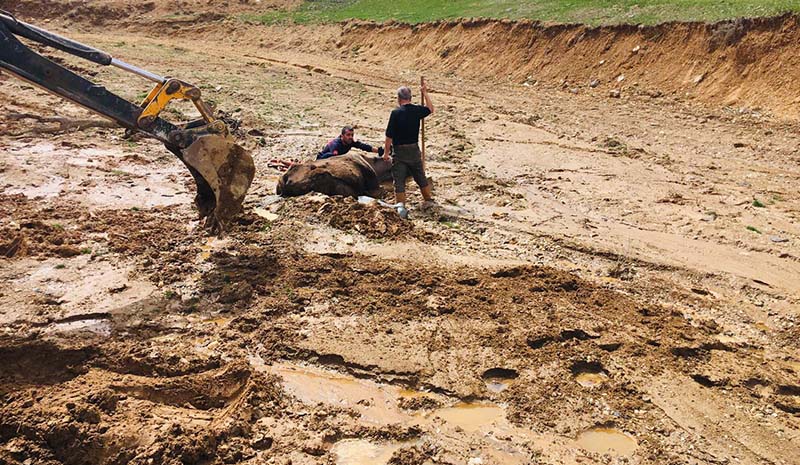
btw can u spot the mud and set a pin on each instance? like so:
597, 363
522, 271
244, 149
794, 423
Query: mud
599, 300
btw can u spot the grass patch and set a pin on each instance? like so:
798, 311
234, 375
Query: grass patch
450, 224
754, 229
757, 203
594, 12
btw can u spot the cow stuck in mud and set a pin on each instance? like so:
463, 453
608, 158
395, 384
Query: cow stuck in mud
349, 175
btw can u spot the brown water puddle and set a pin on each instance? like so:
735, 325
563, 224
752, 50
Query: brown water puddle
471, 417
362, 452
497, 385
375, 402
607, 441
591, 380
414, 394
219, 321
499, 379
483, 425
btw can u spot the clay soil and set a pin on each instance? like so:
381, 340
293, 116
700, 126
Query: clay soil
624, 266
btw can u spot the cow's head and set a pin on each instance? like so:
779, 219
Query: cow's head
298, 180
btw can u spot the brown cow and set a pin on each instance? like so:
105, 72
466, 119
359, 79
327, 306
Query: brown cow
350, 175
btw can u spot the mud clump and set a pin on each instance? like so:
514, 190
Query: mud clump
64, 229
140, 232
204, 417
418, 403
372, 221
413, 455
23, 233
236, 278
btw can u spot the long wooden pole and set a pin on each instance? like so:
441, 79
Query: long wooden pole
422, 98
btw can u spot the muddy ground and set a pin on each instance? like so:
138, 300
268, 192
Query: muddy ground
605, 280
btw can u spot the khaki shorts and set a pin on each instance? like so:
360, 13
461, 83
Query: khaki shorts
407, 161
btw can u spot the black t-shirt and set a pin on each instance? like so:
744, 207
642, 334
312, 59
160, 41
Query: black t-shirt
403, 125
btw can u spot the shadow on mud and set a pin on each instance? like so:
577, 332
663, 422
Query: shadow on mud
39, 363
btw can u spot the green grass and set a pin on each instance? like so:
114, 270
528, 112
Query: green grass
754, 229
758, 204
564, 11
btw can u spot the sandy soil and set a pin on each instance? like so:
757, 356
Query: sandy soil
588, 290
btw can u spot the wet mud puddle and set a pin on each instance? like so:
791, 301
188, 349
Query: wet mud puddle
480, 424
591, 379
471, 417
589, 374
376, 403
499, 379
362, 452
607, 441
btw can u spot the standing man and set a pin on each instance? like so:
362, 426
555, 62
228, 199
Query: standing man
344, 143
402, 141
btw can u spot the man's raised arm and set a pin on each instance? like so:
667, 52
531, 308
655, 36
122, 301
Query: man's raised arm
426, 97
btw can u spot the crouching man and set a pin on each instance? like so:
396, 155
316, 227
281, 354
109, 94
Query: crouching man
344, 143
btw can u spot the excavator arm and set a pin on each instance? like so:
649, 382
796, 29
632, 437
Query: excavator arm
222, 170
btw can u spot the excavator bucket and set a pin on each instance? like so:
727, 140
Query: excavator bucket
223, 172
221, 169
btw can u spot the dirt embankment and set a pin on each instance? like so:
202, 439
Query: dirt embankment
743, 63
